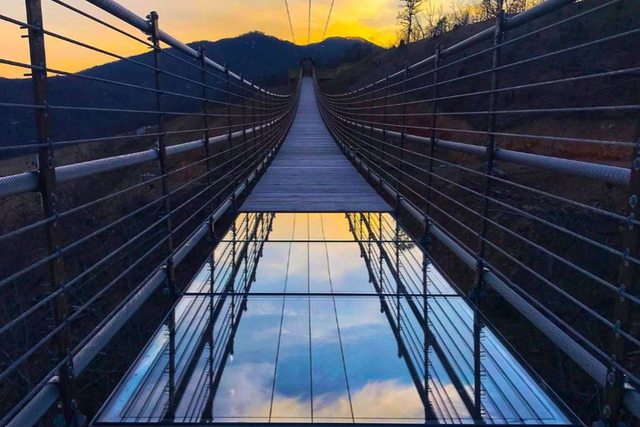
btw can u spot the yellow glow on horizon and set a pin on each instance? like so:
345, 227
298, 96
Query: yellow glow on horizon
194, 20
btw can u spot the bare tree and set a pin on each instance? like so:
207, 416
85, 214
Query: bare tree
515, 6
421, 19
436, 22
460, 15
464, 13
411, 28
490, 8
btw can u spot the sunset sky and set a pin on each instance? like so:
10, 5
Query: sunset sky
192, 20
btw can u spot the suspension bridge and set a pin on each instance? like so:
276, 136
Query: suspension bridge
311, 256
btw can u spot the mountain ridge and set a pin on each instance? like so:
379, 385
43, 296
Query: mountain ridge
261, 58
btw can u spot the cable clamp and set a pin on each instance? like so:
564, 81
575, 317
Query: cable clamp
70, 368
630, 220
625, 256
617, 328
612, 363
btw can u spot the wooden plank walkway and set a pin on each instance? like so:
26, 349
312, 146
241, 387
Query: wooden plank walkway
310, 173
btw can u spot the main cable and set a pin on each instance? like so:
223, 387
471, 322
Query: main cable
328, 19
293, 36
309, 25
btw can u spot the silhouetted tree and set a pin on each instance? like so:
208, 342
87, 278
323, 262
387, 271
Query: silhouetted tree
515, 6
460, 16
411, 29
420, 19
490, 8
436, 22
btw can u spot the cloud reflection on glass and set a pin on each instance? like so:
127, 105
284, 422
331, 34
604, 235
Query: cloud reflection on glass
342, 339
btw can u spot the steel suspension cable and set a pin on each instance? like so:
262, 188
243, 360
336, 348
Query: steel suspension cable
284, 299
335, 312
324, 33
293, 36
309, 25
546, 310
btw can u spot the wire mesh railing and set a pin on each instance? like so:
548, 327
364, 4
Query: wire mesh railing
517, 150
115, 209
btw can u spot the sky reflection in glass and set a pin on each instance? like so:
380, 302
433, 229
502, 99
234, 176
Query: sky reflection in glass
353, 351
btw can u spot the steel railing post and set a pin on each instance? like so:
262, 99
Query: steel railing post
358, 123
49, 197
425, 236
380, 260
229, 131
362, 121
206, 133
371, 120
244, 129
208, 410
628, 277
491, 149
162, 158
211, 229
434, 134
267, 108
261, 105
161, 142
403, 130
398, 300
384, 127
254, 118
480, 254
425, 330
234, 254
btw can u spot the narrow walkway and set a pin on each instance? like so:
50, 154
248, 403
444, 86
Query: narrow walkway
310, 173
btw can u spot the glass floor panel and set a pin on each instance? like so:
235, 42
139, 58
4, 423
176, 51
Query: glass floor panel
320, 318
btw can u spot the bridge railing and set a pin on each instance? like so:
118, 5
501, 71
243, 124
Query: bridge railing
133, 167
518, 151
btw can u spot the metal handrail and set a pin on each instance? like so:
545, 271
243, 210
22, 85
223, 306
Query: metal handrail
142, 24
210, 174
373, 127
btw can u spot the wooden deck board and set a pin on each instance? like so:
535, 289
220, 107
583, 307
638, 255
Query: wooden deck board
310, 173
